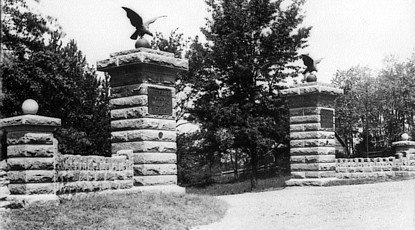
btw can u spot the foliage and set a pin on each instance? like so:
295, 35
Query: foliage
264, 184
57, 77
174, 43
376, 108
197, 158
250, 45
120, 211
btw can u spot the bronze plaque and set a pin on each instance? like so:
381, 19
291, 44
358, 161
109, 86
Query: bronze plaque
159, 101
326, 119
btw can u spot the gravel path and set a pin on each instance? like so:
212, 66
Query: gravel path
389, 205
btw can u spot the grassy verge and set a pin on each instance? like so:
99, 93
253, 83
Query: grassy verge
264, 184
120, 211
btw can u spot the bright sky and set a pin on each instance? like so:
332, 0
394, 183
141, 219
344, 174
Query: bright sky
345, 32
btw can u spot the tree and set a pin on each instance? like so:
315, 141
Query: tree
250, 45
381, 106
57, 76
357, 107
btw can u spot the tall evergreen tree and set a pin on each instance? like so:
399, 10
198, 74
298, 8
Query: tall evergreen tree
250, 45
57, 76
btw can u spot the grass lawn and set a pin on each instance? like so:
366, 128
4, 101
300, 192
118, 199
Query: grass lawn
264, 184
120, 211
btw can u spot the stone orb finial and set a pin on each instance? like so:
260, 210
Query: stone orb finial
404, 137
30, 106
142, 42
311, 77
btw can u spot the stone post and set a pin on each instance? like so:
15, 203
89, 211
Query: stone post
404, 146
30, 154
312, 138
143, 111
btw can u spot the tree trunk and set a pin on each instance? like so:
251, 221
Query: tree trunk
254, 172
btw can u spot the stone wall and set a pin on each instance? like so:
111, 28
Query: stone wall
93, 173
4, 182
380, 168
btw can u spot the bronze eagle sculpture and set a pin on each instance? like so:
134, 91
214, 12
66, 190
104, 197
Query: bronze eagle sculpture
311, 64
137, 22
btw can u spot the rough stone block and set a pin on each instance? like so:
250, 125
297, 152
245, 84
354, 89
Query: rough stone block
297, 128
30, 151
3, 165
155, 180
4, 191
19, 138
327, 167
126, 102
296, 143
144, 123
155, 158
341, 169
129, 113
136, 89
319, 143
390, 174
305, 119
31, 163
304, 167
31, 176
312, 151
297, 159
312, 127
38, 188
155, 169
304, 111
145, 146
320, 159
32, 122
143, 135
402, 174
298, 175
312, 135
142, 57
320, 174
126, 184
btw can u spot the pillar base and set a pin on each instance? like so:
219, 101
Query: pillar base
313, 182
24, 200
149, 189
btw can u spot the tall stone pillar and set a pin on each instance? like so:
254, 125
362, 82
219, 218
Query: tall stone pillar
312, 138
143, 111
30, 154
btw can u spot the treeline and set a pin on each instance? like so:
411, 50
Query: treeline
377, 107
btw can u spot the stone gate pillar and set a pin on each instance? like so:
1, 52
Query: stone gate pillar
312, 139
31, 151
143, 111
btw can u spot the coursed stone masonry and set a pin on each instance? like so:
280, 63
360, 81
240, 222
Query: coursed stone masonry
94, 173
312, 138
143, 111
380, 168
30, 154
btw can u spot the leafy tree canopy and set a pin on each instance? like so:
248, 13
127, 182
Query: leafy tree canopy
235, 76
57, 76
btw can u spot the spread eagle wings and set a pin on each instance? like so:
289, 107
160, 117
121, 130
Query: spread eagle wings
147, 23
135, 19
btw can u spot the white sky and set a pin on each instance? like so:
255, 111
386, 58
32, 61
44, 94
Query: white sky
345, 32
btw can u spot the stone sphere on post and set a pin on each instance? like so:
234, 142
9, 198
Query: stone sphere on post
30, 106
311, 77
142, 42
405, 137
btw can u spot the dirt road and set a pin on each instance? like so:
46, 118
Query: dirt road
389, 205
